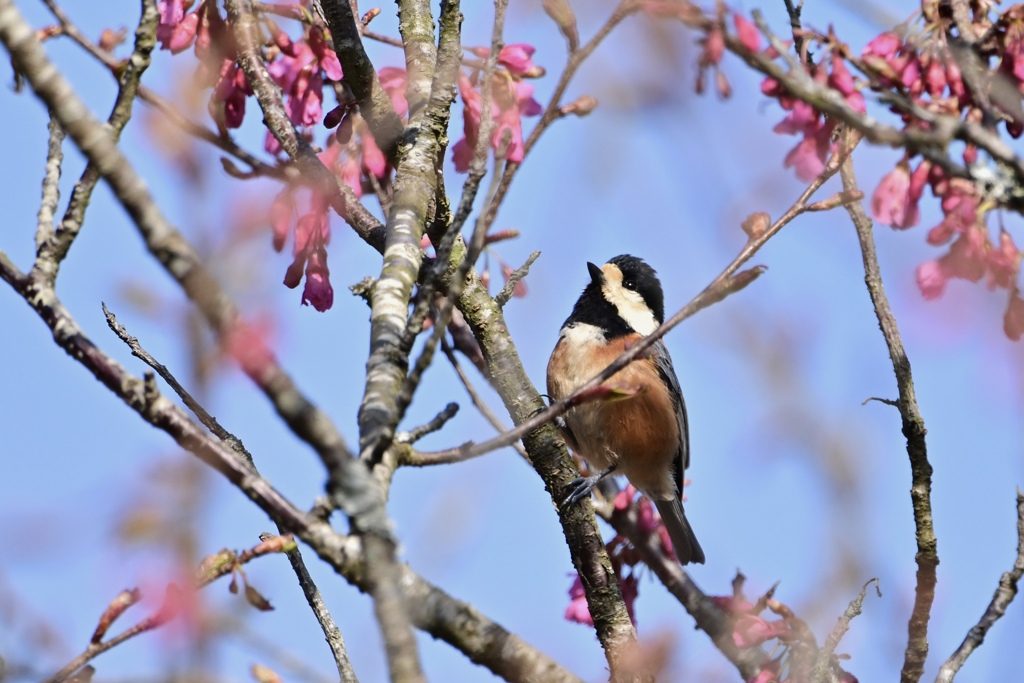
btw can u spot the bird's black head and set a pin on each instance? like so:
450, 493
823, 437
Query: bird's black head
623, 296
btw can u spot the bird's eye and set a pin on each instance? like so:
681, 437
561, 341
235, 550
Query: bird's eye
629, 284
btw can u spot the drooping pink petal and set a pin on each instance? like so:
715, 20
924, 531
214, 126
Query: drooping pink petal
748, 34
931, 279
1013, 320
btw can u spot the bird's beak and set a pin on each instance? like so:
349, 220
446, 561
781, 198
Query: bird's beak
596, 274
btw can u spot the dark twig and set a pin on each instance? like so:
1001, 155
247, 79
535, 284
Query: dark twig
1004, 594
435, 424
823, 662
323, 616
552, 112
914, 431
374, 103
52, 252
163, 240
208, 421
794, 12
221, 564
514, 277
482, 640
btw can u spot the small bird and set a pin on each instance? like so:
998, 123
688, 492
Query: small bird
645, 435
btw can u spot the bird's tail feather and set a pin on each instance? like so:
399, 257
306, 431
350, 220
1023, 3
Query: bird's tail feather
683, 541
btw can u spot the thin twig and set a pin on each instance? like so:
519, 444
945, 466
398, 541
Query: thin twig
1004, 594
456, 622
435, 424
514, 277
823, 662
51, 184
221, 564
208, 421
52, 252
913, 429
323, 616
163, 240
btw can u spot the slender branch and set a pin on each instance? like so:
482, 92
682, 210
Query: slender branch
163, 240
222, 563
51, 183
431, 609
1002, 598
913, 429
514, 278
207, 420
552, 111
360, 76
331, 631
54, 249
323, 616
823, 663
438, 421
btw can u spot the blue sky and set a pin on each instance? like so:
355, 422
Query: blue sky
794, 479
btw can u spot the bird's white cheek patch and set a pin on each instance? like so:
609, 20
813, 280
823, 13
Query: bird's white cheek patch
631, 308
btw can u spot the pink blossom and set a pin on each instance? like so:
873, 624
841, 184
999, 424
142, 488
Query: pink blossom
511, 101
172, 12
183, 34
394, 82
374, 161
318, 290
884, 46
752, 631
1013, 320
518, 59
891, 203
231, 91
714, 47
931, 279
282, 210
325, 56
624, 498
1003, 263
807, 158
803, 118
578, 609
967, 258
312, 234
748, 34
935, 78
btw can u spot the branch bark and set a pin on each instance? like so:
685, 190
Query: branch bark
913, 429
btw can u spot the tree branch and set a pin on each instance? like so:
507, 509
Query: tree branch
1002, 598
913, 429
431, 609
162, 239
360, 76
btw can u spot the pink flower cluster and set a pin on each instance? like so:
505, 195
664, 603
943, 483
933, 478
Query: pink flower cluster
511, 99
931, 77
807, 159
749, 630
624, 557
